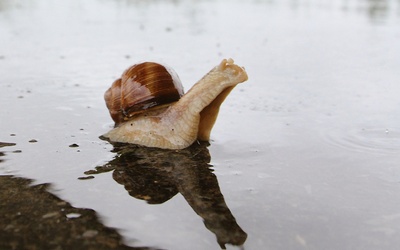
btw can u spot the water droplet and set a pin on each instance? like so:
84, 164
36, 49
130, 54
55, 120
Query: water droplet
73, 215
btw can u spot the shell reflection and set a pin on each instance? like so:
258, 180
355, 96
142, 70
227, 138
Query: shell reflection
157, 175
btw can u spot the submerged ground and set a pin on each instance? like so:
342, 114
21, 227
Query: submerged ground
304, 155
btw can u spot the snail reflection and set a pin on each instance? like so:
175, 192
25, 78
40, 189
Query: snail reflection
157, 175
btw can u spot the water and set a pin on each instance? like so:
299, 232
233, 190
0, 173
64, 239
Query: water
305, 152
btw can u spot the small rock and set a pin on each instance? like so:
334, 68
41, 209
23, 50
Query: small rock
62, 203
86, 177
33, 141
49, 215
90, 172
90, 233
9, 227
7, 144
73, 145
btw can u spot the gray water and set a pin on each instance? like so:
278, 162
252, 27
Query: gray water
306, 152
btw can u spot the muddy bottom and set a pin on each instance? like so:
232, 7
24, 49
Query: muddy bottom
33, 218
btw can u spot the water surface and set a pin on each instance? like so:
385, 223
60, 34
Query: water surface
305, 153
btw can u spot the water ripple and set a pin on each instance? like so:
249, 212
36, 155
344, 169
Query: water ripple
365, 139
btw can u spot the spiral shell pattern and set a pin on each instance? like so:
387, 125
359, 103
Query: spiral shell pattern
142, 87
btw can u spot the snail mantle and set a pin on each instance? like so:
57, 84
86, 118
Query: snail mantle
149, 107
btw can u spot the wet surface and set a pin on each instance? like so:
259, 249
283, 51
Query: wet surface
304, 155
33, 218
157, 175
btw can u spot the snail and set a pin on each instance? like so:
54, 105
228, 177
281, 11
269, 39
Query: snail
149, 107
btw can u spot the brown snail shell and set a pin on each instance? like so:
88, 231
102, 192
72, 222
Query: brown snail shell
141, 87
173, 121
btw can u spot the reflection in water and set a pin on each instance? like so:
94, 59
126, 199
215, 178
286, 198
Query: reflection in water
156, 175
31, 217
5, 144
377, 8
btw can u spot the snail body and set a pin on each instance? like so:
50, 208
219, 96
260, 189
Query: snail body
149, 107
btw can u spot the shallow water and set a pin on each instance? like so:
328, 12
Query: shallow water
305, 152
